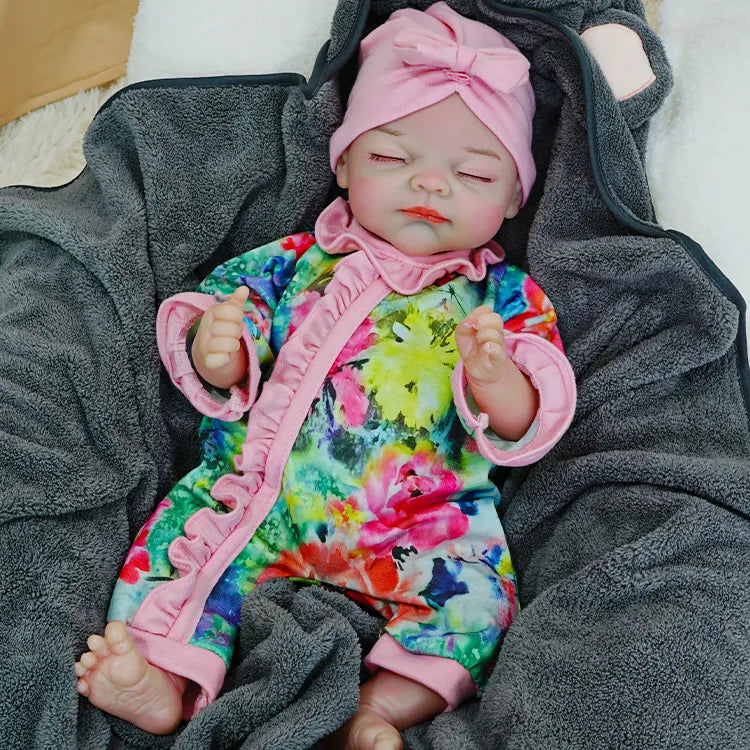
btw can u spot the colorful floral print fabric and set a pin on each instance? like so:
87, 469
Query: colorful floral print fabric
384, 494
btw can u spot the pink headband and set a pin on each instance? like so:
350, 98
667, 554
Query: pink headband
416, 59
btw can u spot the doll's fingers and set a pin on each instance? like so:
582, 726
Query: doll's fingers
493, 335
222, 345
227, 311
226, 328
493, 349
480, 370
473, 317
465, 336
239, 297
478, 311
494, 354
212, 361
489, 319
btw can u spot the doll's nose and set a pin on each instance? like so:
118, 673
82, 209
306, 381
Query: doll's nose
431, 181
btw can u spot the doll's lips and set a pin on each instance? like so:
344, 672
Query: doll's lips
424, 213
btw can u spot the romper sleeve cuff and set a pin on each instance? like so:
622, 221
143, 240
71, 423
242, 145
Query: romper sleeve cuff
445, 676
175, 318
552, 376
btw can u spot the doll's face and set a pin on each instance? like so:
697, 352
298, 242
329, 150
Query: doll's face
433, 181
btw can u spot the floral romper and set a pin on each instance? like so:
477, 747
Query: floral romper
362, 463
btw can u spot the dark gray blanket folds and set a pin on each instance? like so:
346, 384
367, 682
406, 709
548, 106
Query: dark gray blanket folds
631, 538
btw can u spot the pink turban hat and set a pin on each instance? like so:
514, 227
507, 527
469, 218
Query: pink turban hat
416, 59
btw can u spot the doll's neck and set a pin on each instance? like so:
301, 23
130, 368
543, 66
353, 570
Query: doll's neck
337, 231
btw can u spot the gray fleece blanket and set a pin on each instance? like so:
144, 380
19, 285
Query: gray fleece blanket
631, 538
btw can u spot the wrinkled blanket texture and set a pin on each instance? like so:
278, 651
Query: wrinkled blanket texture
630, 538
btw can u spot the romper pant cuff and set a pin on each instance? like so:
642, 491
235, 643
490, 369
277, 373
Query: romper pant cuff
445, 676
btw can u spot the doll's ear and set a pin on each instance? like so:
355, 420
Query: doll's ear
342, 171
515, 202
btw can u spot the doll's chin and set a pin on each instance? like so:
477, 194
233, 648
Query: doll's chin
420, 239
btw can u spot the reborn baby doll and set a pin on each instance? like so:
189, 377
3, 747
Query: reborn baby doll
400, 358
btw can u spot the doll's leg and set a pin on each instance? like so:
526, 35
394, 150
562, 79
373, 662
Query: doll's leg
469, 587
388, 703
147, 564
114, 675
448, 610
125, 672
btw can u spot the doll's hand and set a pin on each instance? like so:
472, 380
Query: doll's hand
499, 388
217, 354
481, 344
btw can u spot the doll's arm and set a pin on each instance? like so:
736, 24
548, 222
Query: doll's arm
514, 387
500, 390
231, 316
177, 316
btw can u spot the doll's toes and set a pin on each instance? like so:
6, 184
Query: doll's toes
79, 669
88, 661
98, 645
82, 667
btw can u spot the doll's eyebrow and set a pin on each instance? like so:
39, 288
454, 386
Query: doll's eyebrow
483, 152
389, 131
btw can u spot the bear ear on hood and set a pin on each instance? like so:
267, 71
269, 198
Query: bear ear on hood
622, 58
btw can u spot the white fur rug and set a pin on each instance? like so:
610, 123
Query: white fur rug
44, 146
698, 153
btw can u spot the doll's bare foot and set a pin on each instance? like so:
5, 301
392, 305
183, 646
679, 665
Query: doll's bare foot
388, 703
118, 680
366, 730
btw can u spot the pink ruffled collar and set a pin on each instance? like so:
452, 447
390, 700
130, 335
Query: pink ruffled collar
337, 231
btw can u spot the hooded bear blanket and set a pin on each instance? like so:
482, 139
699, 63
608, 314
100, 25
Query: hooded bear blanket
630, 539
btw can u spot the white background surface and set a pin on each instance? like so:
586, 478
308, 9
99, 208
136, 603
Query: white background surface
176, 38
698, 157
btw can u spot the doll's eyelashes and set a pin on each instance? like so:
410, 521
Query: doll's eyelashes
475, 177
382, 158
387, 159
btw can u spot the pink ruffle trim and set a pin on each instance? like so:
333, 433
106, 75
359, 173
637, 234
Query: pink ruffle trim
351, 277
551, 374
339, 232
272, 418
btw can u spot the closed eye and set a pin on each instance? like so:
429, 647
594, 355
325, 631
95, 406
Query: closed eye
476, 177
387, 159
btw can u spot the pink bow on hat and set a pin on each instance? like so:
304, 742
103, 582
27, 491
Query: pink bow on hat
501, 69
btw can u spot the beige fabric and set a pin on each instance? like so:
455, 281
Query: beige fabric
51, 49
652, 12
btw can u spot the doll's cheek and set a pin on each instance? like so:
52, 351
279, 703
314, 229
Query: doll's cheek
484, 216
363, 188
366, 199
